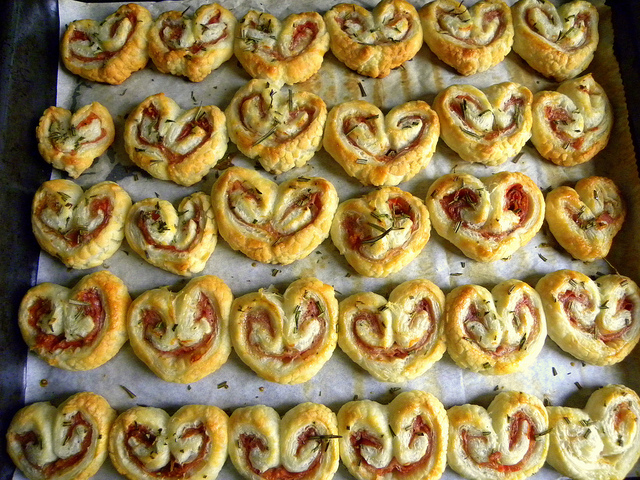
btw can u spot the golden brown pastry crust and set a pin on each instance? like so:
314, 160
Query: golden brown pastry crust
79, 328
557, 43
485, 126
471, 40
281, 128
81, 228
64, 443
395, 340
610, 449
585, 219
302, 444
496, 332
175, 144
148, 444
192, 46
288, 52
71, 142
373, 43
507, 441
595, 321
182, 337
378, 149
573, 124
273, 223
286, 339
381, 232
486, 219
178, 240
405, 439
109, 51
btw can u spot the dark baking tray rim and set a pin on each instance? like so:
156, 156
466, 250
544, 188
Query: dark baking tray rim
28, 72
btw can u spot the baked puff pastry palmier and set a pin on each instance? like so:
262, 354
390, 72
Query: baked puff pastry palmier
286, 338
485, 126
558, 43
496, 332
178, 240
174, 144
509, 440
81, 228
595, 321
109, 51
374, 43
192, 46
471, 40
406, 439
273, 223
182, 337
395, 340
302, 444
573, 124
486, 219
148, 444
71, 142
79, 328
64, 443
281, 128
600, 441
283, 52
378, 149
381, 232
585, 219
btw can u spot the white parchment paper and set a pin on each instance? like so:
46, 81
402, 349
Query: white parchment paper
235, 385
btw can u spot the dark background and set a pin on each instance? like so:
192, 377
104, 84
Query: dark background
28, 66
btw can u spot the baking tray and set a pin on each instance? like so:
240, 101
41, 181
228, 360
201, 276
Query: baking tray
28, 67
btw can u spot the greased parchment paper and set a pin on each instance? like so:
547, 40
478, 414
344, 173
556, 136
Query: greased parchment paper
556, 376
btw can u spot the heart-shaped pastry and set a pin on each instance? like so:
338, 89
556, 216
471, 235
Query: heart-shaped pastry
178, 241
283, 52
281, 128
79, 328
595, 321
175, 144
485, 126
507, 441
496, 332
471, 40
381, 232
585, 219
111, 50
559, 43
64, 443
271, 223
71, 142
395, 340
83, 229
303, 444
600, 441
192, 46
147, 443
487, 219
405, 439
573, 124
182, 337
374, 43
378, 149
286, 339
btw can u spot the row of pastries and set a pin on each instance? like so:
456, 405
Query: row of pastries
288, 337
414, 436
559, 43
284, 128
